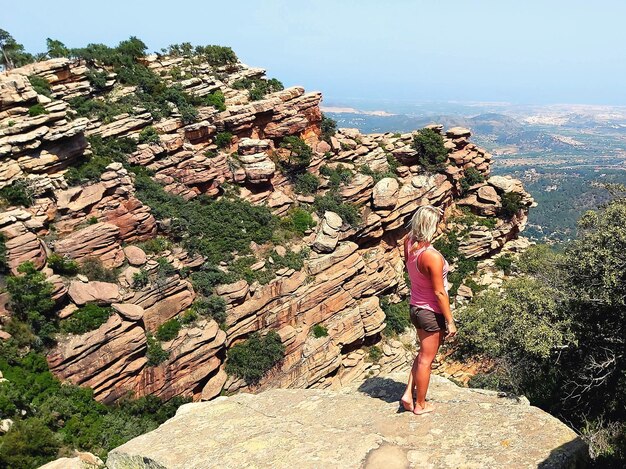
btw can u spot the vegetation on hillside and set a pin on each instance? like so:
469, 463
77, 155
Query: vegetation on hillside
431, 153
53, 419
557, 331
251, 359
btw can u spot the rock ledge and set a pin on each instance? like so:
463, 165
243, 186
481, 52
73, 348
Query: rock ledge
357, 426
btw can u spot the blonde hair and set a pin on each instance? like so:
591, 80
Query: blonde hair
424, 223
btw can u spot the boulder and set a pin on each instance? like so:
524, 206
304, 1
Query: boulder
135, 255
385, 193
93, 292
80, 461
506, 184
361, 428
458, 132
99, 240
488, 194
129, 311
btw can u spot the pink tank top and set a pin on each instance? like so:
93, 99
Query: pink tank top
422, 292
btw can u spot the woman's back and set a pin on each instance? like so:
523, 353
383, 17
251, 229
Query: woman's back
422, 291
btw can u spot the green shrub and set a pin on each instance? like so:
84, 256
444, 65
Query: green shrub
149, 135
62, 265
376, 175
431, 152
154, 352
298, 220
300, 153
37, 110
333, 202
92, 268
98, 80
29, 443
251, 359
214, 228
495, 381
104, 152
472, 176
164, 269
92, 220
141, 279
212, 306
155, 245
393, 163
216, 56
396, 315
258, 88
306, 183
336, 176
374, 354
504, 263
188, 113
464, 267
328, 128
511, 204
86, 318
168, 330
223, 139
56, 49
18, 193
102, 109
3, 254
188, 316
75, 419
448, 246
291, 260
204, 281
215, 99
319, 331
40, 85
31, 301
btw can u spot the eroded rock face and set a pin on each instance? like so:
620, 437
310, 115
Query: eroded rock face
339, 285
106, 360
361, 427
99, 241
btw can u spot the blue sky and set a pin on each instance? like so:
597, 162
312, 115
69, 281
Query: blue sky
533, 52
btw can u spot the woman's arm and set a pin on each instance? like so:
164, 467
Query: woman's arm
432, 262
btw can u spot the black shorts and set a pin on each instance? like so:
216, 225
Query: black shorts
426, 319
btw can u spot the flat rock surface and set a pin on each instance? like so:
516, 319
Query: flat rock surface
357, 426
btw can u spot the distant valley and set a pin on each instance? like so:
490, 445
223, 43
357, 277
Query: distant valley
560, 152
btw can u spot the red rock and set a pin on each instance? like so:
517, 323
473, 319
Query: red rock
99, 240
93, 292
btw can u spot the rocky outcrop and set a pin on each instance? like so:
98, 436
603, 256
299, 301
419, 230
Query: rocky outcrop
100, 241
106, 360
358, 426
338, 287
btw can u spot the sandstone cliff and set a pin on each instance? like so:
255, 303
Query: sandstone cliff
339, 284
357, 426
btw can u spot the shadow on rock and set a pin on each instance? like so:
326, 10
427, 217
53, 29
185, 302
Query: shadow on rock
385, 389
573, 454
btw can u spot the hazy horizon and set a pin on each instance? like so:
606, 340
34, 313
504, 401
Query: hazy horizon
483, 51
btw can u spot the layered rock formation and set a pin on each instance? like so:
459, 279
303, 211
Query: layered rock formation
339, 286
358, 426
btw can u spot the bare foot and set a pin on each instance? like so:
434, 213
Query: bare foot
426, 409
407, 402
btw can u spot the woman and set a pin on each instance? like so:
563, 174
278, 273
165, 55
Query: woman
429, 304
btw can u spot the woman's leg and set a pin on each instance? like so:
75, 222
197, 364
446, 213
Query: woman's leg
408, 397
429, 345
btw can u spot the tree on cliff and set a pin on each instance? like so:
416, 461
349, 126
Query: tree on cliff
431, 152
558, 332
13, 53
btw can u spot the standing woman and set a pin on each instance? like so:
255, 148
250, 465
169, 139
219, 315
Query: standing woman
429, 304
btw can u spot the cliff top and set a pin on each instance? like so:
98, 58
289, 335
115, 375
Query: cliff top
356, 426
